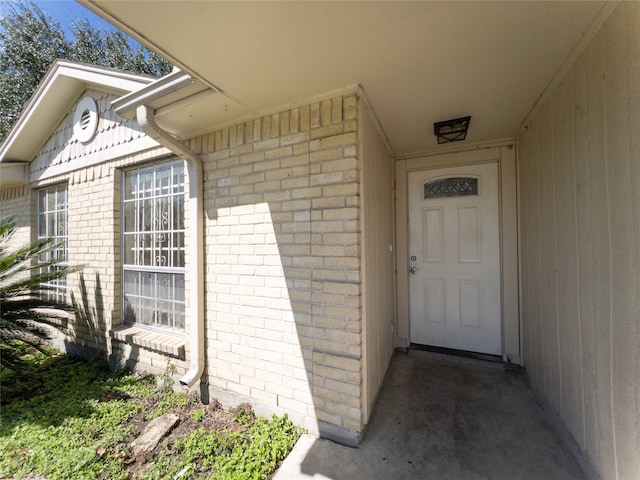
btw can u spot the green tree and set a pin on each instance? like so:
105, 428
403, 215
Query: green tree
25, 309
112, 48
30, 41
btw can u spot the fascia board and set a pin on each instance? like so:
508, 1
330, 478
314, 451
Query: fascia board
108, 79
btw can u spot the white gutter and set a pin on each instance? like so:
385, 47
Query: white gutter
195, 209
170, 83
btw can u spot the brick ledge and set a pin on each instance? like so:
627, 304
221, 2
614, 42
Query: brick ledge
152, 340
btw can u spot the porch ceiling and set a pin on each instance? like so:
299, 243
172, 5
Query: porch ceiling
418, 62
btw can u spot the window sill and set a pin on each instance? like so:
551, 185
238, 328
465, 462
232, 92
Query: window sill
56, 317
151, 340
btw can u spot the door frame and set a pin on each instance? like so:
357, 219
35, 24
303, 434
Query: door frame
505, 156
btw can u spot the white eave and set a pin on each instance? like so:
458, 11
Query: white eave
150, 94
13, 174
182, 104
419, 62
59, 89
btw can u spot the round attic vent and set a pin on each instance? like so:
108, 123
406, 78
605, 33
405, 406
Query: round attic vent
85, 119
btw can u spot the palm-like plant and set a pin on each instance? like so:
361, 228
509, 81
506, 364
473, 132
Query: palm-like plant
25, 307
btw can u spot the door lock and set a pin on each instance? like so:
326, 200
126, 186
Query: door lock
413, 270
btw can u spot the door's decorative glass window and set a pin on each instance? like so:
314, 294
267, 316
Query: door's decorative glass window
451, 187
153, 245
52, 223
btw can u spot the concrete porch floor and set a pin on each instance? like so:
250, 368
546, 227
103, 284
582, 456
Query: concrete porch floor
440, 417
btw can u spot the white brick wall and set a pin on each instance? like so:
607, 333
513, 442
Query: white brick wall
283, 273
283, 267
16, 201
94, 243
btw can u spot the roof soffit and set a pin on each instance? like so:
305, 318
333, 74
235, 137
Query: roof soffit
419, 62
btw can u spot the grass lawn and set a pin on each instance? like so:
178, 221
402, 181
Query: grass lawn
68, 419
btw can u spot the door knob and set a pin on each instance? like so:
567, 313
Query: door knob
413, 270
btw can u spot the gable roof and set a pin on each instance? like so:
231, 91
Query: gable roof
59, 89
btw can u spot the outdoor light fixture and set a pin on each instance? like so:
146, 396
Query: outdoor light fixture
452, 130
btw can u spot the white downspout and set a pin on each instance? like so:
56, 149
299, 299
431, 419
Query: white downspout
146, 120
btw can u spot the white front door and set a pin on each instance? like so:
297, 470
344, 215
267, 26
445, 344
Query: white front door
454, 250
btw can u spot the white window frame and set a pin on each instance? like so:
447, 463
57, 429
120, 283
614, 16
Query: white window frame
52, 222
153, 246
